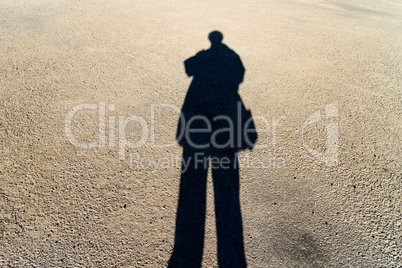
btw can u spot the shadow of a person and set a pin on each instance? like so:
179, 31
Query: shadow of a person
214, 125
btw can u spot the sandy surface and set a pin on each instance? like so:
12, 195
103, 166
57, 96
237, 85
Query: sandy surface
61, 205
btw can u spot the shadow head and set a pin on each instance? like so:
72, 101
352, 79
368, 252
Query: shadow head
215, 37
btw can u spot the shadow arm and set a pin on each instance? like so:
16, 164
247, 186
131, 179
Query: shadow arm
240, 70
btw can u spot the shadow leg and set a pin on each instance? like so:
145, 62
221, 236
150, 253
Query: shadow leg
190, 221
228, 214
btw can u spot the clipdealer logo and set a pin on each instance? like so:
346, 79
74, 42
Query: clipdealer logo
112, 130
330, 155
117, 125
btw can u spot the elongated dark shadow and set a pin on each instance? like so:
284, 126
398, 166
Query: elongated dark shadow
211, 131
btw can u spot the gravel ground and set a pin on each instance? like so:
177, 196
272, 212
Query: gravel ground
62, 205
